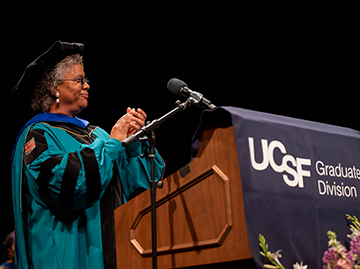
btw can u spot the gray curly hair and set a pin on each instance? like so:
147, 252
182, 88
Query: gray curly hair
44, 93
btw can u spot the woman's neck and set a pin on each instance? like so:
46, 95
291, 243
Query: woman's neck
59, 110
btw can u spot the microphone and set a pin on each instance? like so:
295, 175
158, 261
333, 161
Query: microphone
179, 88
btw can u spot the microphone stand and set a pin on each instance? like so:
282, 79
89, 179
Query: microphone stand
150, 129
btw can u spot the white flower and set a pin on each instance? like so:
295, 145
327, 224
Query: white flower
300, 266
275, 256
354, 234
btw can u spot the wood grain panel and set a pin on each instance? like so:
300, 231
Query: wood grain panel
212, 205
200, 212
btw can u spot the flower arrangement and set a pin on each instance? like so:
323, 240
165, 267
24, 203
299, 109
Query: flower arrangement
274, 257
336, 257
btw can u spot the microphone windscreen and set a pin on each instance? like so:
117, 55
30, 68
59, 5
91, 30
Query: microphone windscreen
174, 85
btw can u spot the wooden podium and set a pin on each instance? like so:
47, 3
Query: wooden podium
200, 212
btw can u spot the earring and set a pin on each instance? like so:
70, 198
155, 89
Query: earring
57, 94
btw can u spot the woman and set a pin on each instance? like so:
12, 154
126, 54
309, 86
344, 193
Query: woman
68, 175
9, 251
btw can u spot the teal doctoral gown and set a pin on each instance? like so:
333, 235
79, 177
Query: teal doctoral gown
67, 178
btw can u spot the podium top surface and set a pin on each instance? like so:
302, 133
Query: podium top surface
262, 117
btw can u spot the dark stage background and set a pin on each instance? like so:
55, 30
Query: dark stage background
302, 65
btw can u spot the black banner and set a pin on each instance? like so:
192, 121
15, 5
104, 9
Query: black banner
299, 179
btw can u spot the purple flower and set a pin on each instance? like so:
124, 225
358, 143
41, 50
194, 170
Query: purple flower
355, 247
330, 257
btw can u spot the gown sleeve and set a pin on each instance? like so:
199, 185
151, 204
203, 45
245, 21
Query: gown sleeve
72, 181
135, 171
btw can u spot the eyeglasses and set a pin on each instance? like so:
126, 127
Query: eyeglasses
82, 80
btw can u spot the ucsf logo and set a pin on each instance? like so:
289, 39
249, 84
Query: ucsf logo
295, 169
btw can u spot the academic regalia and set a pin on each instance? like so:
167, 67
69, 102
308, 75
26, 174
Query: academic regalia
61, 169
67, 178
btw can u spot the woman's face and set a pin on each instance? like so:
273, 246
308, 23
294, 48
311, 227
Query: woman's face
73, 96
